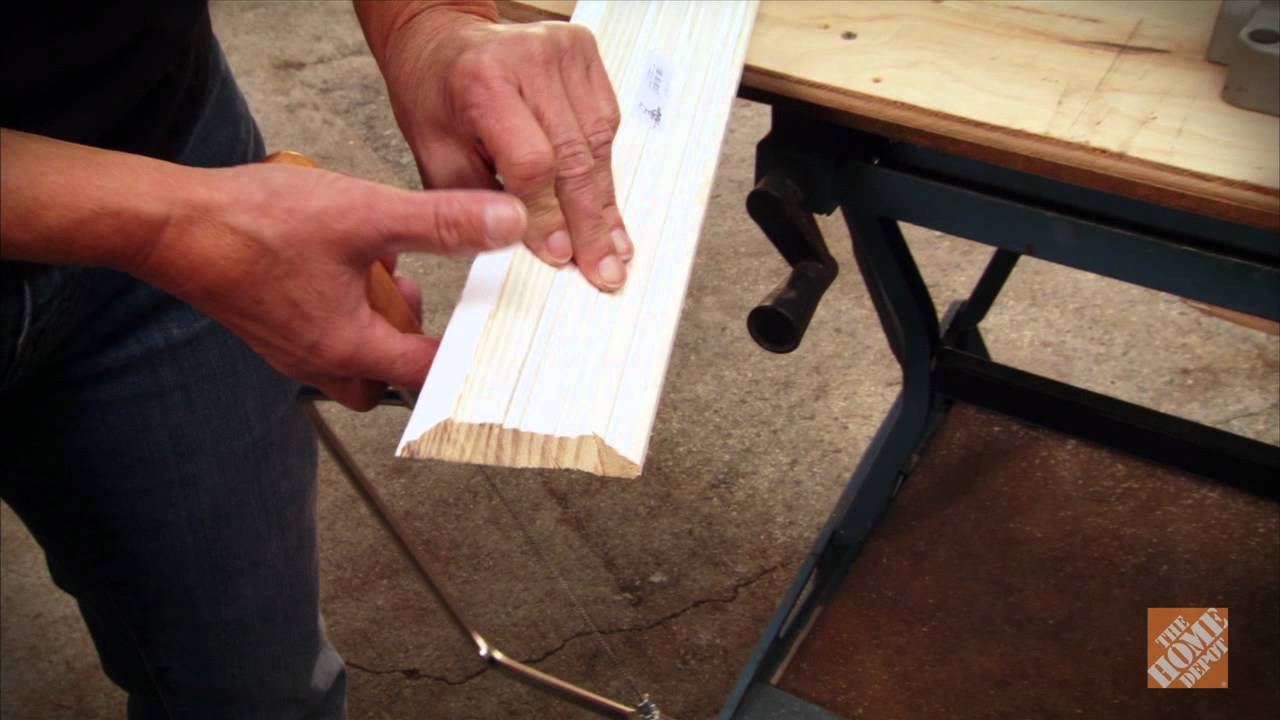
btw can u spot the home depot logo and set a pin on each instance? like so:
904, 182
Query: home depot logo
1186, 647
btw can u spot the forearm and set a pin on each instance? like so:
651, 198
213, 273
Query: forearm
72, 204
381, 20
277, 254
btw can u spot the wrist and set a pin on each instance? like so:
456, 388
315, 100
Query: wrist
65, 203
194, 211
386, 24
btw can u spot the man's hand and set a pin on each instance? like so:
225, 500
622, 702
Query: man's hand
281, 257
278, 254
529, 103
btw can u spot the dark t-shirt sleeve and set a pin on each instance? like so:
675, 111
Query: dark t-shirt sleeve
127, 75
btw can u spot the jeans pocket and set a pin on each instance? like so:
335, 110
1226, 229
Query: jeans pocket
15, 319
37, 305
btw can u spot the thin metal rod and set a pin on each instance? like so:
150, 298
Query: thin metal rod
534, 678
564, 584
389, 521
390, 396
573, 693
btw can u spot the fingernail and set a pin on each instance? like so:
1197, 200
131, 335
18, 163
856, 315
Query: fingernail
611, 271
559, 247
503, 223
622, 244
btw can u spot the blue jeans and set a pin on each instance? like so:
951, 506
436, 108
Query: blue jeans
169, 475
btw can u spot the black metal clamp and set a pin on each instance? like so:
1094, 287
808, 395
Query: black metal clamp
779, 322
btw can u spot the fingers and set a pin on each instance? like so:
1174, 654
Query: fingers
586, 92
453, 164
376, 355
598, 102
577, 188
551, 136
359, 395
526, 161
412, 295
386, 354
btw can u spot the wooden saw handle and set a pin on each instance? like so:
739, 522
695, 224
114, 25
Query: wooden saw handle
384, 296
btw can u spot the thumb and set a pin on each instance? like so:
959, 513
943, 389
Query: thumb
450, 222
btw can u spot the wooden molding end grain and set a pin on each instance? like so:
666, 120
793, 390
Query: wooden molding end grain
537, 368
482, 443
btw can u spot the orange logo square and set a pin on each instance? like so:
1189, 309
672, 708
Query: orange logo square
1186, 647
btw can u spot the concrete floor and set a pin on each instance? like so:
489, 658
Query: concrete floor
680, 569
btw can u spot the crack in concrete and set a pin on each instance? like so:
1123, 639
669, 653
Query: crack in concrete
15, 573
414, 673
1247, 414
731, 595
337, 56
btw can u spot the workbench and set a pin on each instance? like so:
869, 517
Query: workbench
1087, 134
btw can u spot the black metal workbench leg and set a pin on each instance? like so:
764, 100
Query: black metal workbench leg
963, 331
911, 328
910, 324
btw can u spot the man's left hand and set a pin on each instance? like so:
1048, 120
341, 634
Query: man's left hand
530, 104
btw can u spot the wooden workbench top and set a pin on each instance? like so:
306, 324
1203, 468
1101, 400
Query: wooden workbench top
1111, 95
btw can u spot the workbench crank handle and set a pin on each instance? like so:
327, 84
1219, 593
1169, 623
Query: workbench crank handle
779, 322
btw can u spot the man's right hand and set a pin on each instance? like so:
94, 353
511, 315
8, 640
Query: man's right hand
277, 254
